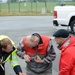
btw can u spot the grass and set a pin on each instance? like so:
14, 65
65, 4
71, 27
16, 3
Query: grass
24, 14
7, 9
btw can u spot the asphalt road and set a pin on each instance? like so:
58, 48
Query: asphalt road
17, 27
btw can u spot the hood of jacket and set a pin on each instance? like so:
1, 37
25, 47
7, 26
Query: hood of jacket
69, 42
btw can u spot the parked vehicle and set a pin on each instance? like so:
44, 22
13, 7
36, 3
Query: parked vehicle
65, 16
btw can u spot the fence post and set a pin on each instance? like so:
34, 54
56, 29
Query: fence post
0, 6
8, 5
36, 7
45, 4
19, 5
31, 5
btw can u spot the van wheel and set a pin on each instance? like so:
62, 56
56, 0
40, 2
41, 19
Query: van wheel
73, 26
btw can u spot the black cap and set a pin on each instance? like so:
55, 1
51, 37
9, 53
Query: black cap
61, 33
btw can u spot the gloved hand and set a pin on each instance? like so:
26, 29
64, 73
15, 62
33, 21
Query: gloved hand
27, 58
38, 59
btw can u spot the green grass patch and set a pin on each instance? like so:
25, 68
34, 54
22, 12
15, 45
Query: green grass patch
40, 8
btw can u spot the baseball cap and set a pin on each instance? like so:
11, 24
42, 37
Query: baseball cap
61, 33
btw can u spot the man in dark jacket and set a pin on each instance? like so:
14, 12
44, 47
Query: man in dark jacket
8, 53
66, 44
38, 52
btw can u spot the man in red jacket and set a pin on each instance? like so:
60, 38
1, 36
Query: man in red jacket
38, 52
66, 43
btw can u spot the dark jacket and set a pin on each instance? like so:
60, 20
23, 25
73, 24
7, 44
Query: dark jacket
46, 53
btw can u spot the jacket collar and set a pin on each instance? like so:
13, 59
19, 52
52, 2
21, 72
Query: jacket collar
70, 41
65, 44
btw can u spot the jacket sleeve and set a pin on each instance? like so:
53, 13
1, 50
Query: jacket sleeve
20, 50
14, 62
51, 54
66, 64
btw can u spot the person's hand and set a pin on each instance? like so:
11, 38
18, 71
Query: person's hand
38, 59
27, 58
20, 73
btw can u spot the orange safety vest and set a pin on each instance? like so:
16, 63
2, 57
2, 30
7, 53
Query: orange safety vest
42, 48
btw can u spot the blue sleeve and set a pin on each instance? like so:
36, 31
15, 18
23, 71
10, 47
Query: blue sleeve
17, 69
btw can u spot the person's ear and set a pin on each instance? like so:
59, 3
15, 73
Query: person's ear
3, 49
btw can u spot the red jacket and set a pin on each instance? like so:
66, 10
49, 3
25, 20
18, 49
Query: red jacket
42, 48
67, 57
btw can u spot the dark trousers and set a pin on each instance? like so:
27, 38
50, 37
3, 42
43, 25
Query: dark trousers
2, 69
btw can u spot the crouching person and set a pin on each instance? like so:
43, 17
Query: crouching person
8, 52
